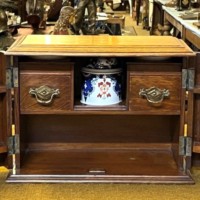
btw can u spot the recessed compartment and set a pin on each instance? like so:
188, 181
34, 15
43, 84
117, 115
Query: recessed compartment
102, 88
97, 145
88, 145
47, 90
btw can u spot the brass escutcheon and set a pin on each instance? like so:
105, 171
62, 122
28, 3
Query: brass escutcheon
44, 94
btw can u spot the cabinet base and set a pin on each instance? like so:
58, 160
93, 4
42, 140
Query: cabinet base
182, 179
103, 165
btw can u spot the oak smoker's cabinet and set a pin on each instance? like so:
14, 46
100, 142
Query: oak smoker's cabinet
143, 139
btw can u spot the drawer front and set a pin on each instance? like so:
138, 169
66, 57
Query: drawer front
155, 92
45, 91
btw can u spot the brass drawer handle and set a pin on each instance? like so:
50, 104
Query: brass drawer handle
44, 94
154, 95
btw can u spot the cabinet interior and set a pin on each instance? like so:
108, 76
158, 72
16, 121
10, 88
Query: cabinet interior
108, 140
78, 144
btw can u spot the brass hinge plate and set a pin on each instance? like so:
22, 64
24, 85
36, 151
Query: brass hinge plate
185, 146
13, 145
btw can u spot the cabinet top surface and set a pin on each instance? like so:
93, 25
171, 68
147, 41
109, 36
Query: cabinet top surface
101, 45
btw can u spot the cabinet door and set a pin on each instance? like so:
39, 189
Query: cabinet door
196, 111
3, 146
3, 115
5, 110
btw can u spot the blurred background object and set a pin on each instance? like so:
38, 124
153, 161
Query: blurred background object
6, 38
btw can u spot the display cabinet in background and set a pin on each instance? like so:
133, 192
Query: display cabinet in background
157, 17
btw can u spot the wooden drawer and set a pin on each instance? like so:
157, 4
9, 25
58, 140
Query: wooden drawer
153, 91
46, 90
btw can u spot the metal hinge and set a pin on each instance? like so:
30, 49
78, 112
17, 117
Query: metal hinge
188, 79
9, 78
12, 77
185, 146
15, 77
13, 144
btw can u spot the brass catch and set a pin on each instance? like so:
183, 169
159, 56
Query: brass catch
97, 171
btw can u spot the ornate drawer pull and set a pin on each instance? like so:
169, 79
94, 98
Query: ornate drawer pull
154, 95
44, 94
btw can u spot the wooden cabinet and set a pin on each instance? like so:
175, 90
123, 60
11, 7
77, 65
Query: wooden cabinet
140, 140
3, 145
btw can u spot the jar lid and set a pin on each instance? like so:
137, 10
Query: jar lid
103, 63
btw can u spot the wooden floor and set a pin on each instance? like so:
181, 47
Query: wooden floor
130, 21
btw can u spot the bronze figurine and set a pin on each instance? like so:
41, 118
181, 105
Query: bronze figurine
63, 25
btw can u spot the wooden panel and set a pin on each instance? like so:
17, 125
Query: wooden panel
196, 115
196, 123
61, 79
112, 161
173, 21
99, 129
143, 165
3, 147
2, 70
169, 81
2, 89
3, 109
193, 38
103, 45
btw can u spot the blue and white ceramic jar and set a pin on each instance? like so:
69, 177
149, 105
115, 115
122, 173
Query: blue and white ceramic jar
101, 83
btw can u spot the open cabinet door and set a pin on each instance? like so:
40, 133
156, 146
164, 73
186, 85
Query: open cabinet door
5, 113
3, 120
196, 113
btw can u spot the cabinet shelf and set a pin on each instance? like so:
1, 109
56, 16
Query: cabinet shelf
196, 90
118, 110
2, 89
116, 107
101, 165
3, 148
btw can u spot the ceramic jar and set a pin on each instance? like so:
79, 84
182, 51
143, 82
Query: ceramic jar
101, 84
